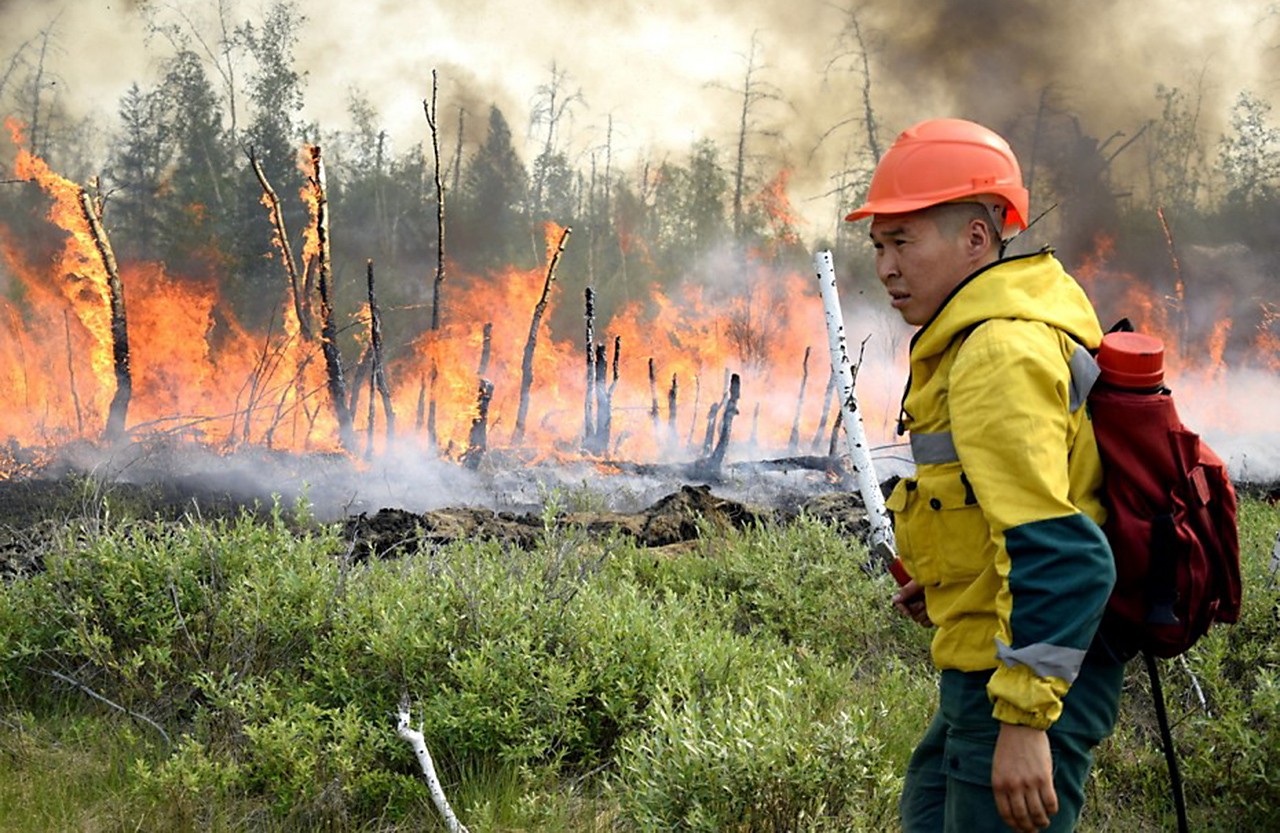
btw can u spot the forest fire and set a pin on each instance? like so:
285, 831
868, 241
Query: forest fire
197, 374
651, 384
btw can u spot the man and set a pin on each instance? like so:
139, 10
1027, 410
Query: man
999, 526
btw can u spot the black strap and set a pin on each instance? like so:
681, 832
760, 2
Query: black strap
1162, 583
1166, 738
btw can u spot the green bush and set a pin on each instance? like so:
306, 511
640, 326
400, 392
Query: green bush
756, 681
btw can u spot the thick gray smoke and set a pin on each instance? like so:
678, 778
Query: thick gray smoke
668, 72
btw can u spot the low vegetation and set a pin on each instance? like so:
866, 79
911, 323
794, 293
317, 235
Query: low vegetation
243, 674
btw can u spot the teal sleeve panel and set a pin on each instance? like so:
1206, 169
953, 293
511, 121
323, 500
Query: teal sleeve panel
1060, 576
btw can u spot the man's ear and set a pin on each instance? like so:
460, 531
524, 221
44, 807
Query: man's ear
979, 237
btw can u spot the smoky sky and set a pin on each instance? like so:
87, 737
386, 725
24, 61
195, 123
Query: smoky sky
667, 72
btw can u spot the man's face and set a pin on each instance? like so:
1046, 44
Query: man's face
917, 263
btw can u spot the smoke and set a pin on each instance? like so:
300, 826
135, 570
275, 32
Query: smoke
669, 72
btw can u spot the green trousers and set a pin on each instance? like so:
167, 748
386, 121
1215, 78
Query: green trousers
948, 783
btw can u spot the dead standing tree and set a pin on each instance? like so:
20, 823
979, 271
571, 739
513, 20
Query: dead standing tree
431, 110
91, 208
526, 365
753, 92
328, 328
297, 288
379, 380
588, 410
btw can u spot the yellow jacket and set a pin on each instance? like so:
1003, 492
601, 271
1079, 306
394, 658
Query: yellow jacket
1001, 521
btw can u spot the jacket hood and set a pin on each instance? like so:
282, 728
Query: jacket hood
1031, 287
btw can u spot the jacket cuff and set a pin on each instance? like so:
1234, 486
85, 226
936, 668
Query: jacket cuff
1021, 697
1006, 712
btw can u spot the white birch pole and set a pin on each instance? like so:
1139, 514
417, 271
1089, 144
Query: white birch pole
419, 744
864, 473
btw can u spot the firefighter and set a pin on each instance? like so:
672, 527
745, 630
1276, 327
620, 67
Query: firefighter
999, 527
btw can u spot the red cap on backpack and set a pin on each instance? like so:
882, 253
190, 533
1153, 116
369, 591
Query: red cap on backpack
1131, 360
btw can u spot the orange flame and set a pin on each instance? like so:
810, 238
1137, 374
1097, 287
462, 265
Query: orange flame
199, 373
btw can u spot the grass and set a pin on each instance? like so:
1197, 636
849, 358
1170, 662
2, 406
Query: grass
757, 682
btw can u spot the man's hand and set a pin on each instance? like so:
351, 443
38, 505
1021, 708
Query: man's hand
909, 601
1022, 778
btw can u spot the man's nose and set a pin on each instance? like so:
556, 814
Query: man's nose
886, 266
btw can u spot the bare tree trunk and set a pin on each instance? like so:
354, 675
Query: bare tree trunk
328, 328
430, 109
379, 365
588, 419
868, 112
526, 366
729, 411
297, 289
673, 437
820, 434
486, 349
693, 416
478, 441
457, 151
793, 444
712, 413
119, 409
653, 400
604, 420
71, 374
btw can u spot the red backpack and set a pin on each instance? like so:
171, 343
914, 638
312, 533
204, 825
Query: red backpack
1171, 509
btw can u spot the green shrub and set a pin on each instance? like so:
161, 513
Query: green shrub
755, 681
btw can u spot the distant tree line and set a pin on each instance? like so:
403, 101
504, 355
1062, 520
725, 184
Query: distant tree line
179, 188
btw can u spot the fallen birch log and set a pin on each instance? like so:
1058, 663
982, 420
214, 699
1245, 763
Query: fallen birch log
418, 742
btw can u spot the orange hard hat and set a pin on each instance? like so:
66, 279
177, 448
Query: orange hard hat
947, 160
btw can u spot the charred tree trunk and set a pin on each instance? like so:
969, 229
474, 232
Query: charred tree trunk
420, 416
328, 328
431, 111
707, 438
827, 399
653, 401
433, 376
297, 287
526, 366
604, 419
429, 108
588, 399
672, 431
486, 349
478, 441
379, 365
71, 375
119, 409
713, 464
693, 416
793, 444
834, 444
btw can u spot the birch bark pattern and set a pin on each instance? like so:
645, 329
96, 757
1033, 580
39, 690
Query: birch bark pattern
119, 408
882, 542
416, 740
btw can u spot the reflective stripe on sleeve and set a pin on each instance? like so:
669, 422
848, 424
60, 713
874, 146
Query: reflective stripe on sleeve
933, 449
1043, 659
1084, 372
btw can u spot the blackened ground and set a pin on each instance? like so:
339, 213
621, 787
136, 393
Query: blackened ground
38, 505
